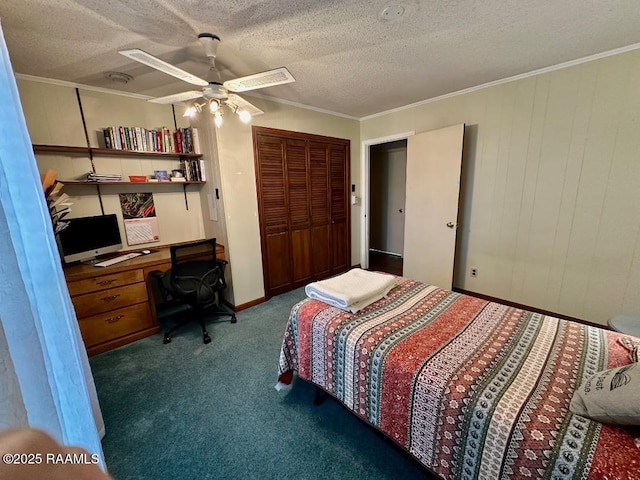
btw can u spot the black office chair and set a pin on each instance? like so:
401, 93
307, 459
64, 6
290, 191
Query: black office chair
192, 286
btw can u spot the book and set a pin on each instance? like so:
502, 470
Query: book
203, 176
178, 137
127, 138
117, 141
188, 141
178, 179
196, 140
138, 137
123, 141
107, 138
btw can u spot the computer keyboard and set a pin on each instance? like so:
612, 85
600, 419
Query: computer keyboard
121, 258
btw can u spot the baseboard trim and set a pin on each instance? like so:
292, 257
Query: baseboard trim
531, 309
244, 306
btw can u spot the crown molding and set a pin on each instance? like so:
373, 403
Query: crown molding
299, 105
514, 78
63, 83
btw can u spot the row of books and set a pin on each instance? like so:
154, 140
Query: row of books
187, 140
183, 140
193, 170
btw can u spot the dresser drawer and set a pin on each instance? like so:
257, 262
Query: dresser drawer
95, 284
99, 302
114, 324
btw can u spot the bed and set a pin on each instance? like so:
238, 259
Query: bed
469, 388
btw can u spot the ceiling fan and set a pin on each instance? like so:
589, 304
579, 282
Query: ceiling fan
214, 92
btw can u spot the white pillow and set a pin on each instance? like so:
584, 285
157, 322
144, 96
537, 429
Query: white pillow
610, 396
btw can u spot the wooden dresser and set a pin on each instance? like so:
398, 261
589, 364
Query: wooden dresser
115, 305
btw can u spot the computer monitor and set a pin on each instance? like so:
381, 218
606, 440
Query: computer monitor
85, 238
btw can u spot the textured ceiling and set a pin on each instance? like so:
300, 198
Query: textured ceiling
344, 58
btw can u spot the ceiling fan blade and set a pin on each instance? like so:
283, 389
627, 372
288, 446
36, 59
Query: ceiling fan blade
277, 76
177, 97
242, 104
154, 62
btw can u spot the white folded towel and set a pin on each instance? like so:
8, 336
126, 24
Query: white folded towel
352, 290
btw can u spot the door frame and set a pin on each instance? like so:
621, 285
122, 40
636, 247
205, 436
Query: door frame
365, 166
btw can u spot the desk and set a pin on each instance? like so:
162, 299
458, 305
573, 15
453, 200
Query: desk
115, 305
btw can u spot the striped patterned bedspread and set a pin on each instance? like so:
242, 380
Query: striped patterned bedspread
470, 388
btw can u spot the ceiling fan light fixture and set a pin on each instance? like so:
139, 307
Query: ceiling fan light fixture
245, 117
218, 119
214, 93
192, 110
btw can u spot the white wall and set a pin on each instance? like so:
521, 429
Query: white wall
550, 212
235, 151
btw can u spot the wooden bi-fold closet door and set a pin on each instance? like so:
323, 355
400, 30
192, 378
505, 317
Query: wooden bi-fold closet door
303, 202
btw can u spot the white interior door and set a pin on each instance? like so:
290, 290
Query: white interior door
434, 160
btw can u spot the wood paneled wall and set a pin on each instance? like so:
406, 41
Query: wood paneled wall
551, 190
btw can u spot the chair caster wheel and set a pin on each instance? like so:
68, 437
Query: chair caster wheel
234, 319
166, 339
206, 338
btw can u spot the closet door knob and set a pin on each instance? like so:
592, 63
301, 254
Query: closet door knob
450, 225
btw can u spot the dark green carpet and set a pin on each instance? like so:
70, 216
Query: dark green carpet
192, 411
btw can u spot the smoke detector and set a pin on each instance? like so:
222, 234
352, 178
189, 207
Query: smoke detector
391, 13
119, 77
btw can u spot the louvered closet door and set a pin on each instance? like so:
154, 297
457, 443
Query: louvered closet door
340, 231
302, 182
272, 194
298, 209
320, 209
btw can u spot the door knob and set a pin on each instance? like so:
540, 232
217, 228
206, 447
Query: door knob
450, 225
400, 210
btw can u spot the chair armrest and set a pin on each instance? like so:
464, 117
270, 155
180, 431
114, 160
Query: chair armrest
161, 281
157, 274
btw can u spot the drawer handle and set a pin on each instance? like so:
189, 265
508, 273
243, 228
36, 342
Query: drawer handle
106, 282
110, 298
114, 319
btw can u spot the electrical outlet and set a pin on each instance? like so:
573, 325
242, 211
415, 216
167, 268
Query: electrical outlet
474, 272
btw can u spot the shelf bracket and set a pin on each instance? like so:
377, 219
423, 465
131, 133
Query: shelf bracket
100, 197
186, 202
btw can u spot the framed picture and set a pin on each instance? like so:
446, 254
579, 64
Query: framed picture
161, 175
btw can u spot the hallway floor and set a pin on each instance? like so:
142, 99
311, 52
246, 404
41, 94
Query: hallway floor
383, 262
